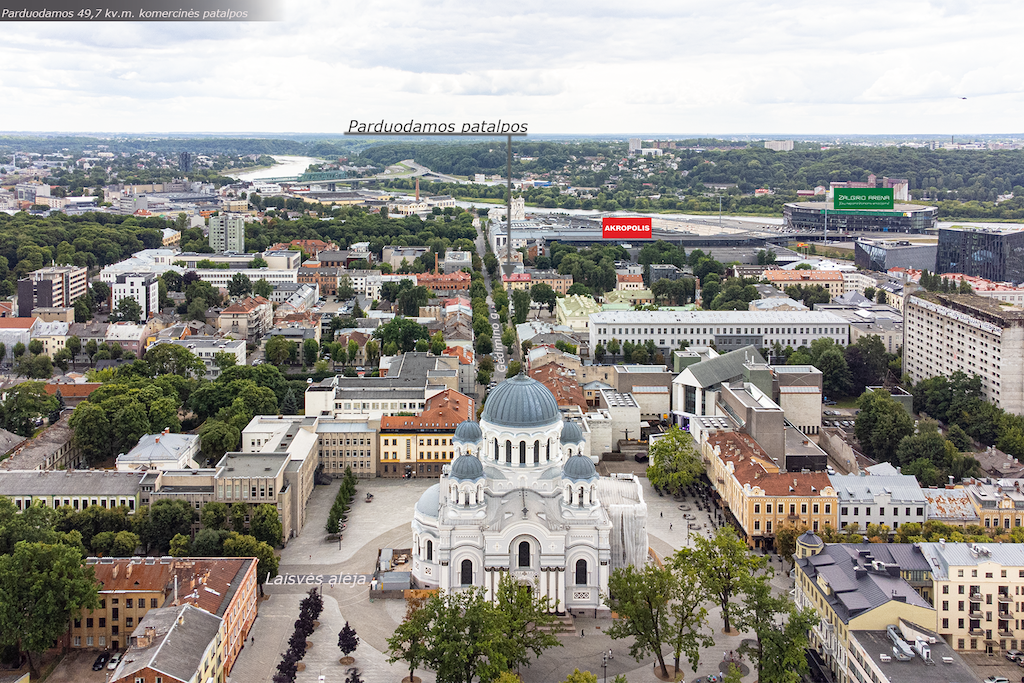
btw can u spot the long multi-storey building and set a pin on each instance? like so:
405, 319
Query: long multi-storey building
727, 330
831, 280
144, 288
421, 445
944, 333
992, 253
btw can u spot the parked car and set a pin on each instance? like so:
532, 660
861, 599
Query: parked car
101, 661
997, 679
114, 660
1013, 655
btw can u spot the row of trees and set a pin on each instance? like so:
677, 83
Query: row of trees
309, 609
342, 502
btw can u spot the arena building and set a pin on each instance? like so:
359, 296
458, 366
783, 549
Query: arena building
908, 218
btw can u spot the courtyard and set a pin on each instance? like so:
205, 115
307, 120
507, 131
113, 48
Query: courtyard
385, 522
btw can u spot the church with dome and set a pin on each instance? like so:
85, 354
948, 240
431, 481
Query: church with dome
522, 497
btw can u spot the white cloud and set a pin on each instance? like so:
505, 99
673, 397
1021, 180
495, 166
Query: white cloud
566, 67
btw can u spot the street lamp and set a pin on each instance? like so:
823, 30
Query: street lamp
604, 665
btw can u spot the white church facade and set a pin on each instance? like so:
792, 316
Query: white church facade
520, 498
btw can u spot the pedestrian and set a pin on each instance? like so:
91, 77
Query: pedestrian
662, 514
583, 634
670, 527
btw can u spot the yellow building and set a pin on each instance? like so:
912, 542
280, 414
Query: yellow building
759, 497
420, 445
853, 591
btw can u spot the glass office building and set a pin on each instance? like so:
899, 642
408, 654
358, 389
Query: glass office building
991, 253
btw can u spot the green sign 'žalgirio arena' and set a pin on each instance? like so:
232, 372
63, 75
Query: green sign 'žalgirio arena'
863, 198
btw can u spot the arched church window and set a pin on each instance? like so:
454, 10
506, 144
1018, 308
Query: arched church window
548, 456
508, 452
430, 551
524, 554
536, 452
497, 451
581, 572
522, 452
467, 573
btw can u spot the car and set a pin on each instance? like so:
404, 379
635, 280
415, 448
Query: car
101, 661
695, 526
997, 679
1013, 655
114, 661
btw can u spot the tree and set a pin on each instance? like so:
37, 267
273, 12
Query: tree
354, 675
641, 599
171, 359
35, 347
310, 351
42, 587
213, 515
508, 337
675, 462
217, 438
528, 621
130, 424
258, 262
239, 511
687, 620
224, 360
614, 347
348, 641
278, 350
725, 566
543, 294
881, 424
262, 288
163, 521
238, 545
781, 630
124, 545
92, 432
127, 310
457, 635
408, 642
836, 378
785, 541
578, 676
26, 402
599, 352
521, 304
290, 405
180, 546
265, 524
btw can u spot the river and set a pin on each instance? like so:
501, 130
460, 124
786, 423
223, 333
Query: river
285, 166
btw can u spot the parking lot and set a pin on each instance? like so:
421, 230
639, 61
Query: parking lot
77, 668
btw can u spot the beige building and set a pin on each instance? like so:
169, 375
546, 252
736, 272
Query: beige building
831, 280
348, 443
574, 311
944, 333
421, 445
761, 498
248, 319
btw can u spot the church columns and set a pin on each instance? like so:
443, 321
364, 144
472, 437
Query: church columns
560, 588
445, 580
602, 580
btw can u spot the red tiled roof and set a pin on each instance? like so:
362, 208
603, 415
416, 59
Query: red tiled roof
445, 410
517, 277
630, 278
803, 275
562, 383
246, 305
464, 355
753, 466
16, 323
72, 390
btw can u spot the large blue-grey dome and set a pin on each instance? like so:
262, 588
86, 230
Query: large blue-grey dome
579, 467
571, 433
468, 432
521, 402
467, 468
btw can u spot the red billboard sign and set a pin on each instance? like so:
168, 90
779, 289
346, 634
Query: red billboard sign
625, 228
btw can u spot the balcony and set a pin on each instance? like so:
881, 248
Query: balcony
1005, 599
976, 613
977, 632
793, 517
1005, 633
976, 597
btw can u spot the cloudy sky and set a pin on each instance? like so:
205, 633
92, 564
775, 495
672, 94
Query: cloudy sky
562, 66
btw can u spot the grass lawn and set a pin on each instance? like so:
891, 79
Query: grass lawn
850, 402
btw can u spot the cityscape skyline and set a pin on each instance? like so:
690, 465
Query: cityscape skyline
570, 69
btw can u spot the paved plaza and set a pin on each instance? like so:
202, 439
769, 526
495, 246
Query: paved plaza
386, 523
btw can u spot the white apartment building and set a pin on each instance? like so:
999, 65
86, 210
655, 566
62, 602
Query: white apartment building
143, 287
727, 330
207, 348
890, 499
944, 333
227, 233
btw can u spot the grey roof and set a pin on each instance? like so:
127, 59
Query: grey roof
467, 467
855, 586
726, 367
579, 468
160, 447
571, 433
915, 670
853, 488
521, 402
810, 539
468, 432
69, 483
430, 501
178, 648
258, 465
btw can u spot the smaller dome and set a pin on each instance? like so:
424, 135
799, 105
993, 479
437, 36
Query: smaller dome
810, 539
468, 432
467, 467
579, 467
430, 501
571, 433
